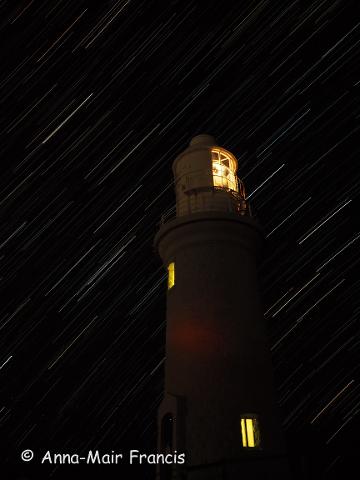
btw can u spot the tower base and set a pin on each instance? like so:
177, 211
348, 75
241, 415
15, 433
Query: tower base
256, 467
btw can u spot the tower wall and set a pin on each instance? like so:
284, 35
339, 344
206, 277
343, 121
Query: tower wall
217, 357
218, 367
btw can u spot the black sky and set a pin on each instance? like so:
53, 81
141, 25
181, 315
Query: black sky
97, 99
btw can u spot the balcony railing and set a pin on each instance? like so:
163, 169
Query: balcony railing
235, 204
168, 214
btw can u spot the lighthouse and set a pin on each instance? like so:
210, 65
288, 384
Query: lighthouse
219, 405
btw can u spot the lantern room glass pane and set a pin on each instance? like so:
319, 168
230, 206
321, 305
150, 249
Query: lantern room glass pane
223, 170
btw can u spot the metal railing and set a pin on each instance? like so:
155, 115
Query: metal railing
236, 204
168, 214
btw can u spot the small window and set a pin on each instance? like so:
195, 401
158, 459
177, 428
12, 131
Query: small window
250, 434
171, 275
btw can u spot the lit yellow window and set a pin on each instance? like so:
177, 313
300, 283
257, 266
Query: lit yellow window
171, 275
250, 432
224, 170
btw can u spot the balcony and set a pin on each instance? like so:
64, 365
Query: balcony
211, 199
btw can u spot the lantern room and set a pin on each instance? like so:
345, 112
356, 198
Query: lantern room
224, 168
206, 179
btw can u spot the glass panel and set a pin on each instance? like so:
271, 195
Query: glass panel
223, 170
243, 433
171, 275
250, 432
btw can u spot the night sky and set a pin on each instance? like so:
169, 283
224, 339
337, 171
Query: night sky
97, 99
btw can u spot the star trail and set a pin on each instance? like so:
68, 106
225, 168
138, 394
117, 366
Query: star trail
96, 101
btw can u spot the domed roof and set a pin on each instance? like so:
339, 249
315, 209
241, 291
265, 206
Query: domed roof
203, 139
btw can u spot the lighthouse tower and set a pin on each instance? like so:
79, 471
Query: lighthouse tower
218, 405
